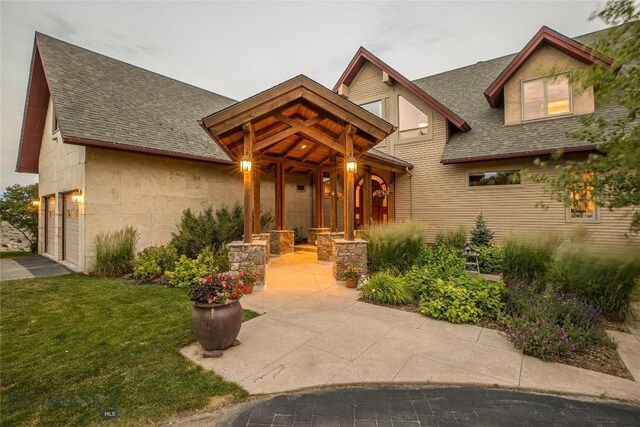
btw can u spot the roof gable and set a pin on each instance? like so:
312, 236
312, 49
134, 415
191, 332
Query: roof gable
363, 55
544, 36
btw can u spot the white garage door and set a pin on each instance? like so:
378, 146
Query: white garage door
71, 230
50, 225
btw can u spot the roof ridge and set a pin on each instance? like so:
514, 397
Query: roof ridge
510, 54
93, 52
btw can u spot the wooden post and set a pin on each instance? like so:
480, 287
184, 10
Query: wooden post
333, 184
256, 199
280, 199
366, 197
319, 218
349, 182
248, 187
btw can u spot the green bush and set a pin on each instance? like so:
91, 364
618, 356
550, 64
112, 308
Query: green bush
552, 326
481, 235
384, 287
115, 252
526, 260
463, 299
490, 259
442, 261
455, 237
209, 229
394, 247
154, 261
605, 280
188, 271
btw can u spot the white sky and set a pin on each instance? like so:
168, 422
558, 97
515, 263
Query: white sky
240, 48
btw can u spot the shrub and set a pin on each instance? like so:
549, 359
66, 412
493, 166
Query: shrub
455, 237
394, 246
154, 261
383, 287
463, 299
606, 280
490, 259
552, 326
442, 261
526, 259
481, 235
188, 271
115, 252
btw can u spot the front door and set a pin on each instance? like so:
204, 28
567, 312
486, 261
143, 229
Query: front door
379, 202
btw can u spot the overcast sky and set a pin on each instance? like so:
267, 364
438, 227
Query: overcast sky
237, 48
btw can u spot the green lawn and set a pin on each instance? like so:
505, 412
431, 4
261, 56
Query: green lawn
10, 255
73, 344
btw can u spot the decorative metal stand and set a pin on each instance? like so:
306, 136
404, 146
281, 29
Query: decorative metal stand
471, 259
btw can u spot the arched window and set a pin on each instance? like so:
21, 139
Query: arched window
379, 201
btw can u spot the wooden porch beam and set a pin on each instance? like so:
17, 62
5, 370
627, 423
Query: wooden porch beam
273, 139
366, 197
255, 170
312, 133
289, 162
280, 197
319, 213
333, 184
349, 182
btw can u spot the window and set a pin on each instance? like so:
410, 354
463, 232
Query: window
374, 107
413, 122
300, 188
546, 97
480, 179
583, 204
54, 123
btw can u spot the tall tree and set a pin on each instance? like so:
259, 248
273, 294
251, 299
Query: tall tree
17, 209
612, 174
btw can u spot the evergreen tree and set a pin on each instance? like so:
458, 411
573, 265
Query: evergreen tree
481, 235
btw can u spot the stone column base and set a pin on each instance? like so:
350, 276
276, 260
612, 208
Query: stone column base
348, 252
264, 237
281, 242
249, 257
312, 234
324, 244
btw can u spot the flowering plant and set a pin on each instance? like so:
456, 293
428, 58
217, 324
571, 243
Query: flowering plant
381, 193
351, 272
217, 289
247, 278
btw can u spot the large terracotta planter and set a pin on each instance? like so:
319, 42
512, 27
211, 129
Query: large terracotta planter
352, 283
216, 326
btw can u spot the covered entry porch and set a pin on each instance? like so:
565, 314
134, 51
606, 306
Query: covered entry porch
301, 127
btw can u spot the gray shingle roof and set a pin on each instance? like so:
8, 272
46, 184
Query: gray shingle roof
462, 91
103, 99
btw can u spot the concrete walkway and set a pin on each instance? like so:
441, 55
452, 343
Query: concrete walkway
27, 267
315, 333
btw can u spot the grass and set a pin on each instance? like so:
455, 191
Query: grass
73, 344
393, 247
635, 293
17, 254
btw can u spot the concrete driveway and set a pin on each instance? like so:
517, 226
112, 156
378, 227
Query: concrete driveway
28, 267
315, 333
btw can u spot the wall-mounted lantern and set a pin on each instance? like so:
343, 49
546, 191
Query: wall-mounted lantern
352, 165
245, 164
76, 198
35, 203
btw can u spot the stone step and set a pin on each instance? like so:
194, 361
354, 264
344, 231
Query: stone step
305, 248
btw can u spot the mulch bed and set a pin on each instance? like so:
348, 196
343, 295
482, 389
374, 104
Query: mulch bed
598, 358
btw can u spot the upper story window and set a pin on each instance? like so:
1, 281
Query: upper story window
546, 97
54, 123
481, 179
412, 121
374, 107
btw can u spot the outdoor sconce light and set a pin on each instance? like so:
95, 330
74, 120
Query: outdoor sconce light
245, 165
35, 203
76, 198
352, 166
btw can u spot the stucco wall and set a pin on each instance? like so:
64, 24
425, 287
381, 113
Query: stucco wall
61, 169
151, 192
440, 197
545, 61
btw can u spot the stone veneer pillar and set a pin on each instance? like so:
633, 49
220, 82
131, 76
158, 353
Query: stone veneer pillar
281, 241
324, 244
312, 234
249, 257
348, 252
265, 237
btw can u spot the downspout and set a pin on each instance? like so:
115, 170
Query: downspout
410, 192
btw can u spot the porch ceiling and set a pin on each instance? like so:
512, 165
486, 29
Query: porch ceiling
299, 122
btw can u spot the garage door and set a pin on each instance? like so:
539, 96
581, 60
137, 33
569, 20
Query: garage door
71, 230
50, 225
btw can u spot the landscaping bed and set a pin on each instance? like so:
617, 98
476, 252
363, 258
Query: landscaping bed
73, 345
